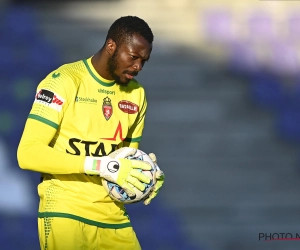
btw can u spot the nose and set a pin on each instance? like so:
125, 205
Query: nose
138, 66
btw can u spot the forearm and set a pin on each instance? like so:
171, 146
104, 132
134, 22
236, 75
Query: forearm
34, 153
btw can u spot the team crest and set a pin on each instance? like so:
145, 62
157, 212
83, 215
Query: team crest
107, 108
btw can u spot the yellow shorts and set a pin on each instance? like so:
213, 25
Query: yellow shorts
67, 234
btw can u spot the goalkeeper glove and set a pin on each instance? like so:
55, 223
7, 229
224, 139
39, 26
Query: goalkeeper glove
115, 168
160, 178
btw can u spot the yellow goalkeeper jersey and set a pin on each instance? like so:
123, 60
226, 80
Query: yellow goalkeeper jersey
91, 117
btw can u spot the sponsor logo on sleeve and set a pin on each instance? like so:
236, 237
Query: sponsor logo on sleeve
128, 107
50, 99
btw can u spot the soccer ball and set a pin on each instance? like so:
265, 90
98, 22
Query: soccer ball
118, 194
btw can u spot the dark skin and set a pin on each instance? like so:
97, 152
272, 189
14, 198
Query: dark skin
122, 62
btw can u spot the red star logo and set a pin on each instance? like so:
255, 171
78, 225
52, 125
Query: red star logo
118, 131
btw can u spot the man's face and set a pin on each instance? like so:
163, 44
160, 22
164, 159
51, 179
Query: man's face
128, 59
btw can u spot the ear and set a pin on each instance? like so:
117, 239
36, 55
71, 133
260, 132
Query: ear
110, 46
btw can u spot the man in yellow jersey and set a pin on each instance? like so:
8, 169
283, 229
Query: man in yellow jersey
87, 117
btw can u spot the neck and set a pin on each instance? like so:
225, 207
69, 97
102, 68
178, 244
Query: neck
99, 62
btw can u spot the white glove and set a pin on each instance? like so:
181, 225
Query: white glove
115, 168
160, 179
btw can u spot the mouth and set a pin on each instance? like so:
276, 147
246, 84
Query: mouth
130, 75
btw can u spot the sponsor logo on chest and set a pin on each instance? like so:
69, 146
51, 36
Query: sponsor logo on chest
107, 92
50, 99
87, 100
128, 107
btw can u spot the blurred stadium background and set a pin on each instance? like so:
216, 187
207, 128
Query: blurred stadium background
223, 88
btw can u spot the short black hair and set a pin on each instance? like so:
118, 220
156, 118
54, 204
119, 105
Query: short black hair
126, 26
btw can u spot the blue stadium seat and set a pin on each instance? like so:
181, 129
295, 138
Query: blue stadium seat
267, 91
18, 232
7, 61
43, 57
160, 227
243, 59
288, 117
19, 25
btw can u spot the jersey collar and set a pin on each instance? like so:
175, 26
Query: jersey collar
95, 75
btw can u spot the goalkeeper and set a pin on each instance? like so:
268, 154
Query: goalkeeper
87, 117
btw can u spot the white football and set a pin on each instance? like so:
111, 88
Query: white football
117, 193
